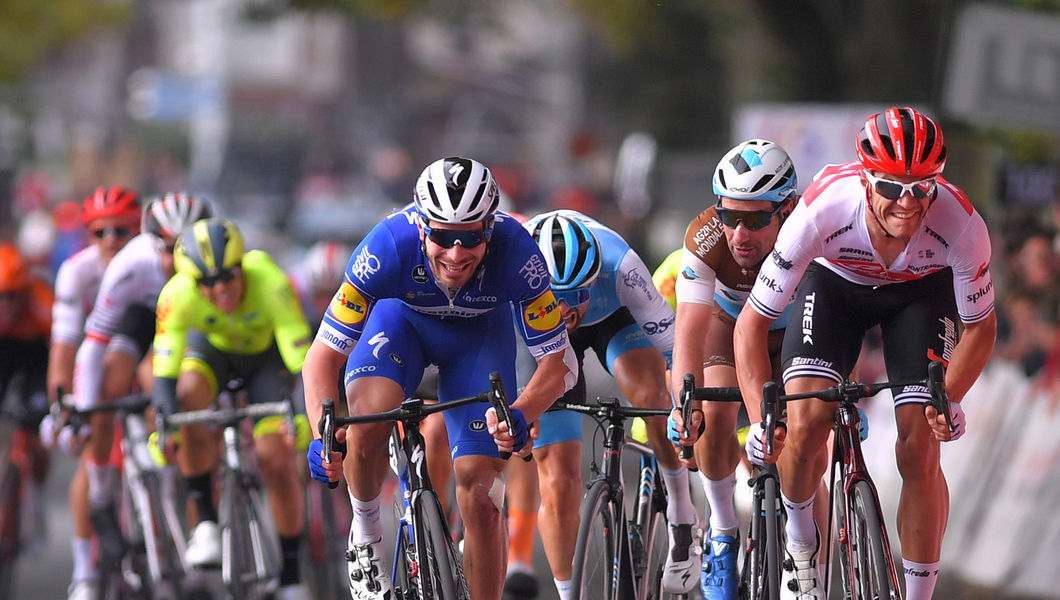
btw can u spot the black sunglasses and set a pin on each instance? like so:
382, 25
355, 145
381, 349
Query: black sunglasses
222, 276
751, 219
119, 232
447, 238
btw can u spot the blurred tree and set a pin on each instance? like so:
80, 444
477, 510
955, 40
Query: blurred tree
30, 29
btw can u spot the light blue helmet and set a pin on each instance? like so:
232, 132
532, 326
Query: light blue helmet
571, 250
756, 170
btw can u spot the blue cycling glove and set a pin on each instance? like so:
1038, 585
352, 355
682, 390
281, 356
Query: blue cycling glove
315, 458
522, 430
671, 428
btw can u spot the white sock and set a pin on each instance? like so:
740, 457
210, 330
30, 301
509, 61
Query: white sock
564, 588
81, 550
802, 531
704, 482
366, 525
679, 508
920, 579
102, 481
722, 510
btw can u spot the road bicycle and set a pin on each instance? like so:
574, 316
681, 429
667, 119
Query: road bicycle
152, 527
327, 521
15, 471
250, 554
618, 557
426, 563
866, 564
763, 552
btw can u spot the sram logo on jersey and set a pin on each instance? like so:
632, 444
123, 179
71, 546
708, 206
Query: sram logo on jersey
349, 306
543, 313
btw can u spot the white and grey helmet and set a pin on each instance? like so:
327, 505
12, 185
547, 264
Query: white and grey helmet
756, 170
168, 216
456, 190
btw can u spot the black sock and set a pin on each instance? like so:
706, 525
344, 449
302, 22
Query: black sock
200, 490
290, 547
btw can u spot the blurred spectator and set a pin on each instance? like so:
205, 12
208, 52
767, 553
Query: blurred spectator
1030, 307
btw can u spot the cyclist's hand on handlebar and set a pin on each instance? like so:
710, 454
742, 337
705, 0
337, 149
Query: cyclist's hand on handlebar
937, 422
322, 471
515, 442
755, 448
676, 430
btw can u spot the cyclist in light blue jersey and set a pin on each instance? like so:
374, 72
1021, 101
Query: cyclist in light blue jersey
609, 304
432, 284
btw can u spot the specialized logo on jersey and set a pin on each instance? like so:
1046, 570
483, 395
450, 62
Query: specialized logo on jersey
349, 306
366, 265
535, 272
543, 313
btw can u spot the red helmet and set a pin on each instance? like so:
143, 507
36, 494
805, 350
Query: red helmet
12, 269
115, 201
901, 141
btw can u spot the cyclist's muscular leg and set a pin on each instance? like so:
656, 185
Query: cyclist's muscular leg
367, 457
439, 465
560, 480
641, 375
923, 507
480, 494
717, 450
198, 453
278, 463
805, 457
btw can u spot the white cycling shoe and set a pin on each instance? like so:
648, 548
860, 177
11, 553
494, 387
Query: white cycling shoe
82, 590
204, 547
803, 577
683, 559
368, 580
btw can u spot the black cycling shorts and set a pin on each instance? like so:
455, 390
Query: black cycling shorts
264, 375
918, 322
138, 324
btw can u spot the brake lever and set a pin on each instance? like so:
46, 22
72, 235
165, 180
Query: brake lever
326, 426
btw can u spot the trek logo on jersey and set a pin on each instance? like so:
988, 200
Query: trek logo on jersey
543, 313
838, 232
807, 318
365, 265
349, 306
535, 272
937, 237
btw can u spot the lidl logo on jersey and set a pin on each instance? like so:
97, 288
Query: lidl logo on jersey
543, 313
349, 306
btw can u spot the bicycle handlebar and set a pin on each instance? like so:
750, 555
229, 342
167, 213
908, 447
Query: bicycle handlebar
608, 408
689, 393
499, 401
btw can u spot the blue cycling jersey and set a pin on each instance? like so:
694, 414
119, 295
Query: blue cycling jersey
390, 263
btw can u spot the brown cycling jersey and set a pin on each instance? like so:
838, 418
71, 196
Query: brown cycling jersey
706, 239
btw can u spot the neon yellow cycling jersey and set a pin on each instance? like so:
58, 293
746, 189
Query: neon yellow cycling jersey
665, 277
269, 308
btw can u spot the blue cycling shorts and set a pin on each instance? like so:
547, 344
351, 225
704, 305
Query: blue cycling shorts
398, 343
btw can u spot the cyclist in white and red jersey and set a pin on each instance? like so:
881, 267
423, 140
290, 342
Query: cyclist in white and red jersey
118, 336
882, 240
112, 217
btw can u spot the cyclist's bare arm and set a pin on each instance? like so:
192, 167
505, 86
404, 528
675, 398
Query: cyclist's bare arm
547, 384
320, 376
970, 356
750, 345
60, 368
690, 336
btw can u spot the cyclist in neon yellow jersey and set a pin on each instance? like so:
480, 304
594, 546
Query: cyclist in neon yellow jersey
231, 314
665, 277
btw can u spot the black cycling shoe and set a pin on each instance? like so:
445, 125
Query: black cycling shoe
105, 522
520, 586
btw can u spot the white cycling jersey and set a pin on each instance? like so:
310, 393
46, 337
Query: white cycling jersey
76, 286
134, 276
828, 226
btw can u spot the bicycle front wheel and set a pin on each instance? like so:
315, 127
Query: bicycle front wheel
245, 557
771, 547
867, 547
595, 574
439, 562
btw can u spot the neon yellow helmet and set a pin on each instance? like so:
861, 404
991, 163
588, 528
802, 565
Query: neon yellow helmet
209, 247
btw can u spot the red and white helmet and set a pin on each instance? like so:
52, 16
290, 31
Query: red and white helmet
325, 264
115, 201
167, 217
902, 141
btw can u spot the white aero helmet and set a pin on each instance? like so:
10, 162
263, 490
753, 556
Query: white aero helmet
456, 190
756, 170
168, 216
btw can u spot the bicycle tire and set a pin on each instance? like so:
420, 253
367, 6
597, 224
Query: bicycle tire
868, 550
325, 546
595, 554
437, 554
773, 544
650, 524
163, 569
10, 527
244, 569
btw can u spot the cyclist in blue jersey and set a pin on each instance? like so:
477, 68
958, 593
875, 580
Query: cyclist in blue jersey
610, 305
432, 284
